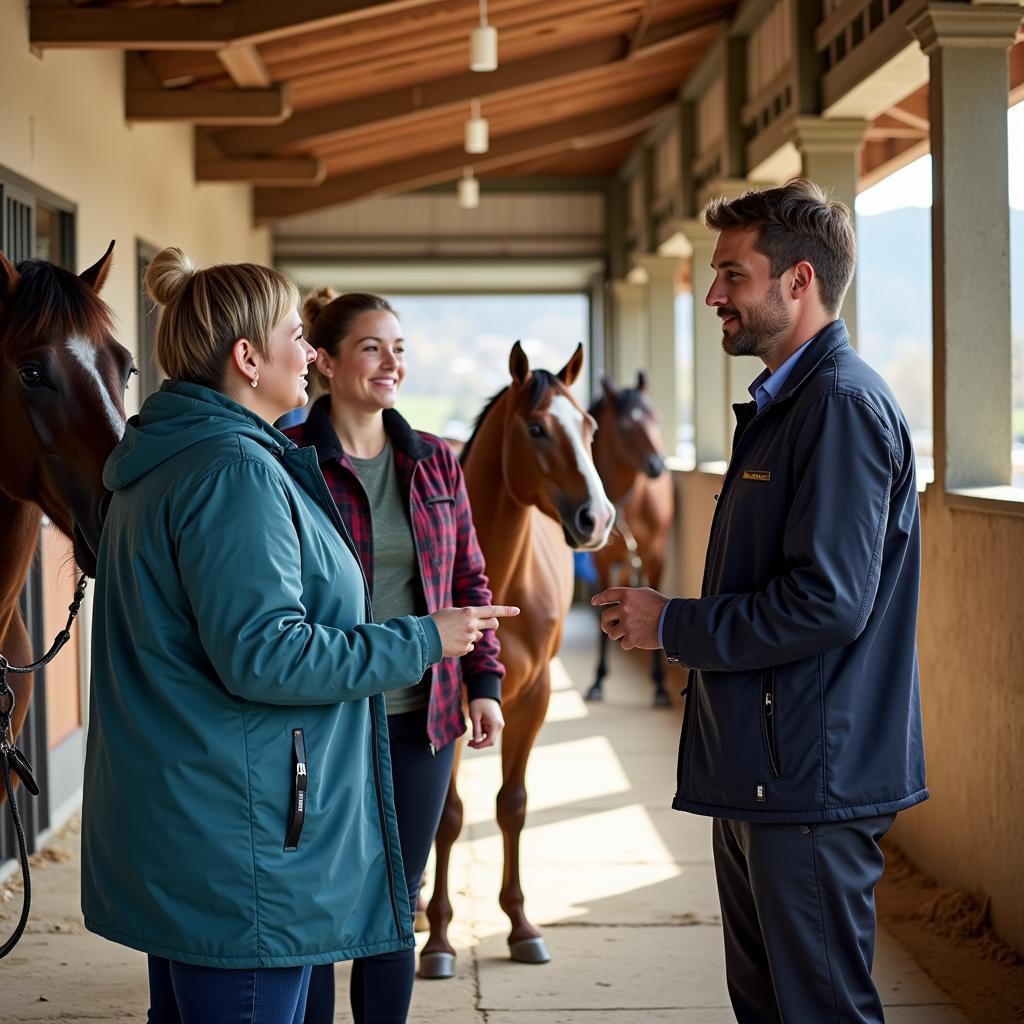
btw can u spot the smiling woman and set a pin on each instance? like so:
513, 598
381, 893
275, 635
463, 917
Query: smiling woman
403, 498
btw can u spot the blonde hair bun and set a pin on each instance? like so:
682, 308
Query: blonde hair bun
167, 274
314, 304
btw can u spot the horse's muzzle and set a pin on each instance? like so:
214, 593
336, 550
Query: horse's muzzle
85, 551
587, 528
654, 466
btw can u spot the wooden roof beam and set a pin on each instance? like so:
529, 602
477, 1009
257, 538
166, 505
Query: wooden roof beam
332, 122
245, 66
194, 27
211, 164
575, 133
279, 172
146, 100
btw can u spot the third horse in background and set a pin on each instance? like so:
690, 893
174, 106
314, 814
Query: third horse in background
630, 459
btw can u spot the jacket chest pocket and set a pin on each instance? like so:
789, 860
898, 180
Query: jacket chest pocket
441, 527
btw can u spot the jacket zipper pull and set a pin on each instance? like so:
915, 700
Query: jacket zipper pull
768, 709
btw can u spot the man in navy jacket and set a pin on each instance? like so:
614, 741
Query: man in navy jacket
802, 733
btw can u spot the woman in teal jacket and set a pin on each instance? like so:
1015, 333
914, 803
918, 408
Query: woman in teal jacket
238, 820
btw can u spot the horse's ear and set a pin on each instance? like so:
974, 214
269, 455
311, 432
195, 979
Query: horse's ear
96, 275
568, 373
609, 389
519, 364
641, 380
9, 278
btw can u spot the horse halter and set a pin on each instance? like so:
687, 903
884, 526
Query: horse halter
15, 761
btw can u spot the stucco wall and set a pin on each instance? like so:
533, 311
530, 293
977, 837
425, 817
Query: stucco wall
62, 127
970, 834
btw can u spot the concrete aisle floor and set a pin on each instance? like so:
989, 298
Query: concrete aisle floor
622, 885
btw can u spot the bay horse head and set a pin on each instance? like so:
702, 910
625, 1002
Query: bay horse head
62, 381
628, 415
546, 451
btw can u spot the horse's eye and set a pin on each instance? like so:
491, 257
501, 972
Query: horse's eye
536, 430
132, 372
31, 376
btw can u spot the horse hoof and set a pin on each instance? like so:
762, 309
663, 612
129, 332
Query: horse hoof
529, 951
595, 693
661, 699
437, 965
420, 923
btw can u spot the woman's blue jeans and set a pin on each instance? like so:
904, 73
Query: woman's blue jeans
187, 994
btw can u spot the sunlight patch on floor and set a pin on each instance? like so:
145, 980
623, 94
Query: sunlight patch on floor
558, 774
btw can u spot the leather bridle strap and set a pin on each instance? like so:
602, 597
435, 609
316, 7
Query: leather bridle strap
13, 760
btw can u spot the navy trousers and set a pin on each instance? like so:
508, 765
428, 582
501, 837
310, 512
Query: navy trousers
798, 912
381, 987
187, 994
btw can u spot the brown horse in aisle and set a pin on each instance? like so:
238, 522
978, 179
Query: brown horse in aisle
535, 494
630, 458
62, 378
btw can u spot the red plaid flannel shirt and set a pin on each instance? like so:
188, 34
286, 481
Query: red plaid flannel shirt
450, 560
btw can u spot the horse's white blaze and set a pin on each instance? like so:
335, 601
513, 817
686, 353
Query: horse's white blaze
571, 419
84, 352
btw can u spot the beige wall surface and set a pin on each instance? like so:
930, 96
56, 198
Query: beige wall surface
970, 834
62, 127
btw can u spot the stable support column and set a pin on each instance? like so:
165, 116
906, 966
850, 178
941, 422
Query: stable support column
967, 50
829, 150
711, 412
662, 285
629, 338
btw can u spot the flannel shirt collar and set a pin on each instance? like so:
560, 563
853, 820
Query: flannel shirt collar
321, 434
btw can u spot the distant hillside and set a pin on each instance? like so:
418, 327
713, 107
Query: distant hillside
894, 301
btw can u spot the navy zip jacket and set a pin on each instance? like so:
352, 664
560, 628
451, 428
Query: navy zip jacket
804, 696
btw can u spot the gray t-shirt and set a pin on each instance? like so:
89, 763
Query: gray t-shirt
396, 581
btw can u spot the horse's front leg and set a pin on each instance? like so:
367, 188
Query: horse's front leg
523, 721
438, 957
15, 645
596, 692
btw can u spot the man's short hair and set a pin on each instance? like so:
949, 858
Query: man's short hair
797, 221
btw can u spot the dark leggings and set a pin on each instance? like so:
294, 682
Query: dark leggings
381, 987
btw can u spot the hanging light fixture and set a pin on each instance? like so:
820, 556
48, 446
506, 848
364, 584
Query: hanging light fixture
469, 190
483, 44
477, 130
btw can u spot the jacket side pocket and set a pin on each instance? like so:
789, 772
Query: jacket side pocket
300, 782
768, 712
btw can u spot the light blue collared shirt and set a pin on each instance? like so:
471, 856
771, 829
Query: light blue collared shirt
767, 385
764, 390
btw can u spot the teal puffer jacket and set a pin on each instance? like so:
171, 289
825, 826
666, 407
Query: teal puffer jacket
230, 618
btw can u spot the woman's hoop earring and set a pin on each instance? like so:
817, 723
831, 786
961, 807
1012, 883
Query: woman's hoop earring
255, 381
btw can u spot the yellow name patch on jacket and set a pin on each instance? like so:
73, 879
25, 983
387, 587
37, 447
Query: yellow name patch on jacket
763, 475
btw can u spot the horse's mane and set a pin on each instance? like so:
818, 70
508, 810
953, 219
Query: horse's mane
539, 383
53, 302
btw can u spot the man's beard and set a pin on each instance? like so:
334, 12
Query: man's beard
760, 326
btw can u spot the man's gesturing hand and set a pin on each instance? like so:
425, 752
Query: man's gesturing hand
631, 616
460, 628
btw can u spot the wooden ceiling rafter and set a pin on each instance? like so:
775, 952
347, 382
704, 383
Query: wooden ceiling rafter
399, 107
530, 25
146, 100
443, 165
368, 154
189, 27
